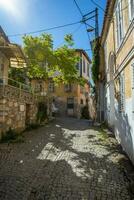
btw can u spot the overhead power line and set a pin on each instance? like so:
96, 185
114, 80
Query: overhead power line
81, 13
96, 4
44, 30
100, 7
78, 8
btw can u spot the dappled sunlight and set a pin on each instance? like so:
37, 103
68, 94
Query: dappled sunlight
57, 162
76, 148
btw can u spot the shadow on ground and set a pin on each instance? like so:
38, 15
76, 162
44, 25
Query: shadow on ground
65, 160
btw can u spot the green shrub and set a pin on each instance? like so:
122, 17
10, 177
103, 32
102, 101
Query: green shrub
11, 136
32, 126
42, 112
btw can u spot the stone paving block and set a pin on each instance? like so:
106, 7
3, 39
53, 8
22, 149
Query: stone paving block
63, 161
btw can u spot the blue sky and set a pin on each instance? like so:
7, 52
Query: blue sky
20, 16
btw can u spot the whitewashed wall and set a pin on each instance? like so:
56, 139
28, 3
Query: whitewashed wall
124, 128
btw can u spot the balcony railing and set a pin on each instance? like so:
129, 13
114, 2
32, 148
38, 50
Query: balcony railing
10, 88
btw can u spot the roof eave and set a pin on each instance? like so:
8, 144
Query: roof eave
107, 19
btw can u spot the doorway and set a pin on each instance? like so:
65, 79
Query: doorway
70, 106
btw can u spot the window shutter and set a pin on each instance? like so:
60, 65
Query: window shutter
83, 65
131, 9
119, 22
133, 89
117, 34
121, 94
133, 76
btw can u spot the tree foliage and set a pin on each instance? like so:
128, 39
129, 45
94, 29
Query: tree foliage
96, 60
17, 75
45, 62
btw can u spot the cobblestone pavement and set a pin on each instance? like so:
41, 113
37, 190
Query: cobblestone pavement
66, 160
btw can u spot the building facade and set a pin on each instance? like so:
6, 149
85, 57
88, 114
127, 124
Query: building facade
117, 42
18, 105
69, 98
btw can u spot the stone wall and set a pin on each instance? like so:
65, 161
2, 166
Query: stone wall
17, 108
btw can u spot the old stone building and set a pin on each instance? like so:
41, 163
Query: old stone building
69, 98
117, 43
18, 104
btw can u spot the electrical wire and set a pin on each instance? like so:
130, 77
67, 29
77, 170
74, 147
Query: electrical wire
8, 47
81, 13
78, 8
44, 30
65, 25
98, 6
71, 34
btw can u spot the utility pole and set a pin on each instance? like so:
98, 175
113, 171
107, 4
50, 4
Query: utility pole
89, 16
96, 23
95, 41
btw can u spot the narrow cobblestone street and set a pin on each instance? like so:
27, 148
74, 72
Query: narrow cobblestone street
66, 160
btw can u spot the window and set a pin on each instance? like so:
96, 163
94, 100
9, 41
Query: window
133, 89
106, 57
119, 23
131, 9
121, 93
1, 67
68, 88
84, 67
81, 66
51, 86
38, 87
78, 66
70, 103
87, 69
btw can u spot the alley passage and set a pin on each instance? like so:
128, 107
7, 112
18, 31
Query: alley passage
66, 160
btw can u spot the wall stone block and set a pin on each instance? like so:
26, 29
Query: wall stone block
13, 108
